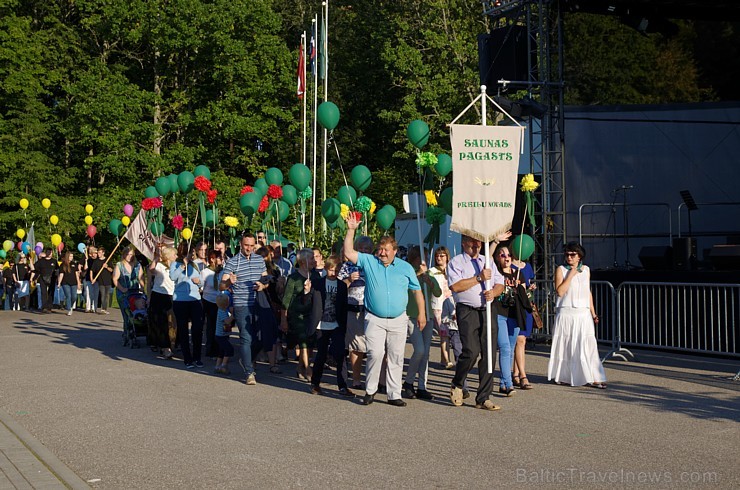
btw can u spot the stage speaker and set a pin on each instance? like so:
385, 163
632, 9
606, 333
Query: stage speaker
725, 257
656, 258
684, 253
502, 54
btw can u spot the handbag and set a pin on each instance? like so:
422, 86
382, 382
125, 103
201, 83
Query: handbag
536, 317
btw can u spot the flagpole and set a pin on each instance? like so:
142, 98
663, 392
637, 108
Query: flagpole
305, 135
489, 345
315, 104
325, 69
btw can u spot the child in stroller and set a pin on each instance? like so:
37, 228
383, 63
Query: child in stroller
138, 320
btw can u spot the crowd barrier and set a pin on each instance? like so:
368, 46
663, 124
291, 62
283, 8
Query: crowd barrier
693, 317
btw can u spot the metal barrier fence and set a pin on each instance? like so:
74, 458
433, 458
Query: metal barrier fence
695, 317
692, 317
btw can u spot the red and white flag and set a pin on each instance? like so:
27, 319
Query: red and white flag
301, 74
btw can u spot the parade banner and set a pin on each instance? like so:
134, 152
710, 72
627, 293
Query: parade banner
485, 162
140, 237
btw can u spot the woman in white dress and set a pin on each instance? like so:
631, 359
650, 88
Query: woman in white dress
574, 358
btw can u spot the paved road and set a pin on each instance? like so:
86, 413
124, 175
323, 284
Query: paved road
121, 418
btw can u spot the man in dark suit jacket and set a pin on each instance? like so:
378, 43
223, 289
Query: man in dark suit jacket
329, 322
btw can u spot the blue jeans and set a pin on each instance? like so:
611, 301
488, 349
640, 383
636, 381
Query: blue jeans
506, 343
419, 361
70, 295
247, 325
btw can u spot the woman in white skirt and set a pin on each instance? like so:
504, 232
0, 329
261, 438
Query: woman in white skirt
574, 358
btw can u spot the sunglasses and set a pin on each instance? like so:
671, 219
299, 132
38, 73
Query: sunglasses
571, 254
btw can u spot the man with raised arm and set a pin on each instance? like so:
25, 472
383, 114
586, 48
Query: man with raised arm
387, 281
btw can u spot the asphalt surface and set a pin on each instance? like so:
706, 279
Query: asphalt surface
123, 418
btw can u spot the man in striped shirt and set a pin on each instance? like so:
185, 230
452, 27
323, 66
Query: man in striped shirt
242, 275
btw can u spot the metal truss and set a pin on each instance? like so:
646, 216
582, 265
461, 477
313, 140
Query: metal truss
544, 86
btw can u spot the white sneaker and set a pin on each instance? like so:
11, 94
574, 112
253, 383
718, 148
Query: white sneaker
69, 313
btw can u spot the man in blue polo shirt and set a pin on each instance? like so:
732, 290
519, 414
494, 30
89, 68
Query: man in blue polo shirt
242, 274
387, 281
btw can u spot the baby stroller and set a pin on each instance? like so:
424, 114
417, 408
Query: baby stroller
137, 320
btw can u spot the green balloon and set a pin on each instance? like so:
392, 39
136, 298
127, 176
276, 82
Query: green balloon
443, 165
274, 176
290, 195
261, 184
445, 200
185, 181
283, 210
162, 184
331, 210
151, 191
174, 186
361, 178
347, 195
418, 133
328, 115
386, 216
202, 171
116, 227
3, 254
156, 227
522, 247
209, 217
249, 203
300, 176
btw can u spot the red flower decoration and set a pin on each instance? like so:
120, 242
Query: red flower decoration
211, 195
246, 189
275, 191
202, 184
178, 222
151, 203
357, 215
264, 203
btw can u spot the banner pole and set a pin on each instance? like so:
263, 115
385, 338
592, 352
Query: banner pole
487, 249
110, 256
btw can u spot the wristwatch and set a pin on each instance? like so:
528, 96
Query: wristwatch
479, 278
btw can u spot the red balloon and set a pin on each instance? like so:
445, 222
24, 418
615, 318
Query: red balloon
91, 231
60, 247
19, 245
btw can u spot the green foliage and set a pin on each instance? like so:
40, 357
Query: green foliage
98, 99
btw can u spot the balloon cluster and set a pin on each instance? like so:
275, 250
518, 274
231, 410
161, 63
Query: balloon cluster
335, 210
433, 169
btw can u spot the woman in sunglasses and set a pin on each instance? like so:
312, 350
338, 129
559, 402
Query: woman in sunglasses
574, 358
505, 308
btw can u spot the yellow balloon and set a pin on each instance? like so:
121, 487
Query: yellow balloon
187, 233
46, 203
56, 239
54, 219
126, 221
20, 233
24, 203
89, 209
88, 220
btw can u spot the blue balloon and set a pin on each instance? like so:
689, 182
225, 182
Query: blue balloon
26, 248
81, 247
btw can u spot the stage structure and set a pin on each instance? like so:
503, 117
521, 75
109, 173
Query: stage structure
529, 35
